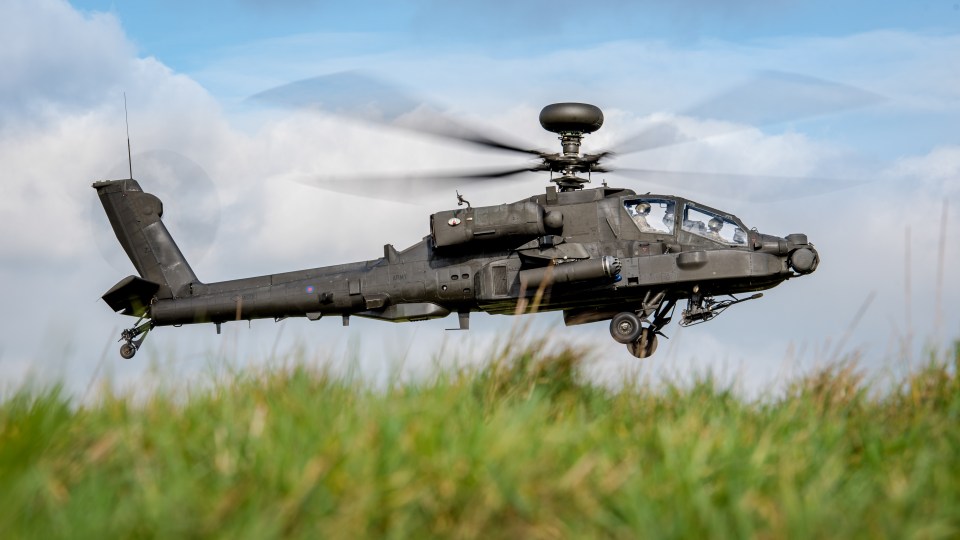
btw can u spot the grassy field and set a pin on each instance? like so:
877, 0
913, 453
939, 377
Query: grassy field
520, 448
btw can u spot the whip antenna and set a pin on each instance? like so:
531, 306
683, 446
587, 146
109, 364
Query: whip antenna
126, 120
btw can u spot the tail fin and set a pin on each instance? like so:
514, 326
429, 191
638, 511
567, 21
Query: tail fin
135, 217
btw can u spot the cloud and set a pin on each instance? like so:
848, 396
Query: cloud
938, 172
56, 60
62, 121
61, 109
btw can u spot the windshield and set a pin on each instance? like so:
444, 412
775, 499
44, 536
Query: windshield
709, 224
651, 214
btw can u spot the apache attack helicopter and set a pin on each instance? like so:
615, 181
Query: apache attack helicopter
596, 254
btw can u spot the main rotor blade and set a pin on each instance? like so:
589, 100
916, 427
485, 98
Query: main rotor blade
360, 96
410, 187
769, 98
749, 187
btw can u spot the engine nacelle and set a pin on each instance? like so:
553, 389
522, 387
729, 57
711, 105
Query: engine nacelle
520, 220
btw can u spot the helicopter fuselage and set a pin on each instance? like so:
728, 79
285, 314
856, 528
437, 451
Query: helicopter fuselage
593, 253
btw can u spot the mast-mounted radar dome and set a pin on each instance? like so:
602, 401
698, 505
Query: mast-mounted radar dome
571, 117
571, 121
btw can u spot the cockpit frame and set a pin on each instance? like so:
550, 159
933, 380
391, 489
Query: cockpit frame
651, 215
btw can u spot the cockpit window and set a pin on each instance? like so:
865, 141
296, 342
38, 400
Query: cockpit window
713, 226
652, 215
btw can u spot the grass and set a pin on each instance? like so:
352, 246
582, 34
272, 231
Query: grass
519, 448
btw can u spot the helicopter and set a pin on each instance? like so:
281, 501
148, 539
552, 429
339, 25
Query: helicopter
595, 254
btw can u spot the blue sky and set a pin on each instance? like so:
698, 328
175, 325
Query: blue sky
187, 68
176, 30
192, 37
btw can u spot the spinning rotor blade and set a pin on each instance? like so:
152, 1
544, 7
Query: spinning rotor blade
769, 98
749, 187
356, 95
408, 187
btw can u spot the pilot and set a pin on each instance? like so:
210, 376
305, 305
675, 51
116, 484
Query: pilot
714, 226
739, 237
640, 218
668, 220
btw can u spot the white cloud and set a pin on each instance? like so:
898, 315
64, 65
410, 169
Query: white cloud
56, 60
938, 172
62, 121
62, 128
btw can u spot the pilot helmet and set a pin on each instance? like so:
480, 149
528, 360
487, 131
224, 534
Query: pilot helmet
643, 208
715, 224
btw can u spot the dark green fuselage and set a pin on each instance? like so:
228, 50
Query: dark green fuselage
580, 251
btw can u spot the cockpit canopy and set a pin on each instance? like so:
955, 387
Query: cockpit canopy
712, 225
652, 214
658, 215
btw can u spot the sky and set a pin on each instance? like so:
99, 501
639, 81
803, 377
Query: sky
228, 172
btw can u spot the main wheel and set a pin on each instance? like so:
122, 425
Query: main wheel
625, 327
645, 345
127, 350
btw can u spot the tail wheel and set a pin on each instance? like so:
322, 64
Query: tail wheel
625, 327
127, 350
645, 345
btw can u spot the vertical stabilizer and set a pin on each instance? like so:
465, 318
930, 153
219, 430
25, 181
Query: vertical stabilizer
135, 217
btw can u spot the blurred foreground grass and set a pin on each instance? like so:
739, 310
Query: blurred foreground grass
520, 448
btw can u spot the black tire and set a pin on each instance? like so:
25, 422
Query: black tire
127, 350
645, 345
625, 327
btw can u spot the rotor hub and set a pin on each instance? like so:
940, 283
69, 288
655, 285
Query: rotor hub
570, 141
571, 121
569, 182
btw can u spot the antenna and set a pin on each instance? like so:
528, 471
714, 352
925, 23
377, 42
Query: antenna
126, 120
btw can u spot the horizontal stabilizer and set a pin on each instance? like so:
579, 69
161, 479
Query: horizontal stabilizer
131, 296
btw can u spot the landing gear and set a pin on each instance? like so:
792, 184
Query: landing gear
639, 330
127, 350
645, 346
131, 344
625, 327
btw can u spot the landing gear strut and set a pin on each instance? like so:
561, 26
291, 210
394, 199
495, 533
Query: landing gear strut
645, 345
128, 336
639, 330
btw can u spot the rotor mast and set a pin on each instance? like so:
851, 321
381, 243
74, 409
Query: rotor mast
571, 121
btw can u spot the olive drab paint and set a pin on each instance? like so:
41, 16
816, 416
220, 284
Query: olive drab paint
601, 254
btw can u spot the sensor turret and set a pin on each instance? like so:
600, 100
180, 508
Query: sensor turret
571, 118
